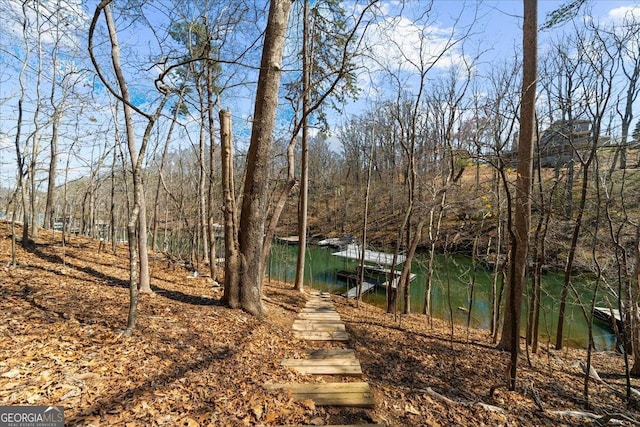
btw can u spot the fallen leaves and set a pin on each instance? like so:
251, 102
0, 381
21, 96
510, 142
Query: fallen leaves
192, 362
13, 373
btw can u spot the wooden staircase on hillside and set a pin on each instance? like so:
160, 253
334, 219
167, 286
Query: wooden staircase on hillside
317, 322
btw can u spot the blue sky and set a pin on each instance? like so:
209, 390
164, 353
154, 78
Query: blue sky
494, 28
496, 31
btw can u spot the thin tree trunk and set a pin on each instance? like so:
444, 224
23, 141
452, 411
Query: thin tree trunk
202, 185
635, 316
574, 241
132, 315
136, 155
232, 263
145, 285
49, 217
213, 268
133, 218
495, 306
365, 219
35, 136
112, 205
405, 276
163, 158
304, 166
520, 232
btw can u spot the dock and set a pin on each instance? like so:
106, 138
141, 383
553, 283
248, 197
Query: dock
368, 286
604, 314
354, 251
289, 240
376, 269
353, 292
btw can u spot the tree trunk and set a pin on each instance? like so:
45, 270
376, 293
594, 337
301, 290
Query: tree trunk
202, 185
405, 277
213, 268
112, 205
49, 215
232, 263
253, 216
365, 219
635, 316
133, 256
495, 306
145, 285
304, 166
574, 238
522, 200
163, 158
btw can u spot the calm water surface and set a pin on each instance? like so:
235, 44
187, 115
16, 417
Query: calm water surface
321, 267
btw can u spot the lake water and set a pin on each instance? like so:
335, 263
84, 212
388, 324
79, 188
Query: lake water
321, 268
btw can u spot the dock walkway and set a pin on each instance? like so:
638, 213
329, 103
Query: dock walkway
366, 287
320, 322
607, 315
370, 286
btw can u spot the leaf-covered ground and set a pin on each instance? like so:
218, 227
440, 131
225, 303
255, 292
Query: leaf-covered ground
193, 362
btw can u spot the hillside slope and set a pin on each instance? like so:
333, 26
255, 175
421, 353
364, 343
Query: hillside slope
193, 362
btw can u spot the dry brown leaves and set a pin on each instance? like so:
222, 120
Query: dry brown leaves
193, 362
402, 360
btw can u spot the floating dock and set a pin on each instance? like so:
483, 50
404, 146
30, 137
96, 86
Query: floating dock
376, 270
353, 292
354, 251
289, 240
604, 314
370, 286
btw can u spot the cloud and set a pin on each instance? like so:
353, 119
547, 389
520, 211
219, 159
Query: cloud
624, 12
399, 42
65, 15
5, 142
406, 48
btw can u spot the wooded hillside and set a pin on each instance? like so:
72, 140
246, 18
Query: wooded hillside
193, 362
204, 130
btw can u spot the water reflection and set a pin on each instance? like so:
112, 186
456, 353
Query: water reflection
321, 268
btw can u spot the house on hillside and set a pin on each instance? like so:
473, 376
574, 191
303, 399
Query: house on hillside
559, 143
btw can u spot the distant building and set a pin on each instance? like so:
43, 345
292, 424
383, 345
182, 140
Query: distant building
559, 143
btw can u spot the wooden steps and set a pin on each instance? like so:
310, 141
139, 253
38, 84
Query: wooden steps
330, 394
328, 354
318, 316
321, 336
318, 326
319, 321
346, 366
336, 425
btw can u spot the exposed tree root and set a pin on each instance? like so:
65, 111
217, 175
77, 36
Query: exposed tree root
439, 396
601, 420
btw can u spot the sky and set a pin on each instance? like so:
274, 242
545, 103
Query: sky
494, 28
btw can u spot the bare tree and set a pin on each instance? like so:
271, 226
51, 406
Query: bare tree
595, 80
519, 234
625, 47
137, 218
232, 263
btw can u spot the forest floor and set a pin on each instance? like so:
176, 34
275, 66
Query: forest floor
193, 362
